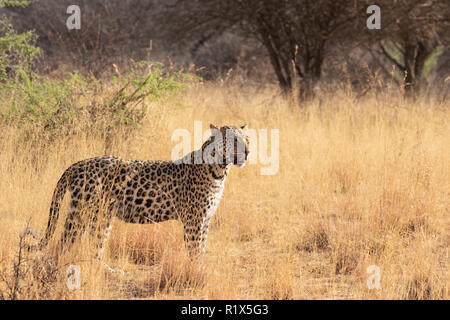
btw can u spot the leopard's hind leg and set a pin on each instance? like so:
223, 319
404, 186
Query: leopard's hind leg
74, 226
100, 230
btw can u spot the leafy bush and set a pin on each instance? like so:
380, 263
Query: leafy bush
17, 50
54, 104
56, 107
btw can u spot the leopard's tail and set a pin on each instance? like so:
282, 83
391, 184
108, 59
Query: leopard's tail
57, 198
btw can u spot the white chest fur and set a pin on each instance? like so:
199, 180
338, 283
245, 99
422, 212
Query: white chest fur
215, 199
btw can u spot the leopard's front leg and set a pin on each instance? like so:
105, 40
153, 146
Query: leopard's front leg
192, 237
195, 234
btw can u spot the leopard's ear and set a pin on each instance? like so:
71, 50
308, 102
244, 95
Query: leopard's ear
244, 126
211, 126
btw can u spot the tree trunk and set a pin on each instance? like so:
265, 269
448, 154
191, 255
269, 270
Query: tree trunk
415, 55
410, 68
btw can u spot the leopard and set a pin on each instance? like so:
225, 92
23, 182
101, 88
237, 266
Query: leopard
188, 190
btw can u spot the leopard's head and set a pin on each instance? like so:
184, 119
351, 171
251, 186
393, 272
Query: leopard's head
229, 145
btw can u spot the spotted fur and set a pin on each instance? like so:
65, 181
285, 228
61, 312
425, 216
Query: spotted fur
145, 192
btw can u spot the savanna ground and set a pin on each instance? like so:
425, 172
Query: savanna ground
360, 183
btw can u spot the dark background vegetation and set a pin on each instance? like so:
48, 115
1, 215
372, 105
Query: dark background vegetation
297, 44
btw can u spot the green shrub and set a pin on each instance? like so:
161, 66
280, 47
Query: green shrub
58, 107
54, 104
17, 50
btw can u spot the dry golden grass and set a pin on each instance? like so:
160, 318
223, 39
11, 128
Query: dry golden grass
360, 183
